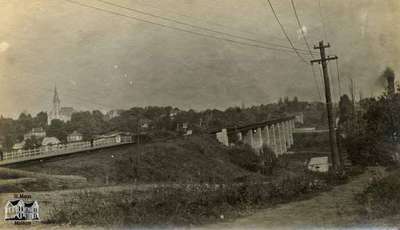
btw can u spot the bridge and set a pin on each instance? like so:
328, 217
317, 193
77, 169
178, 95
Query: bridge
18, 156
276, 134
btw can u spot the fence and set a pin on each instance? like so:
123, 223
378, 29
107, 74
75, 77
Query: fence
72, 147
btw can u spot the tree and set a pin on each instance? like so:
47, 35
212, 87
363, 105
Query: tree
41, 119
345, 111
58, 129
32, 143
389, 76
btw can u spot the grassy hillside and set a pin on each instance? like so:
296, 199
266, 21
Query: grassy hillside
196, 159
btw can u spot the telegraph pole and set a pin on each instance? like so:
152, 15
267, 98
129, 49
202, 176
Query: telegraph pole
331, 119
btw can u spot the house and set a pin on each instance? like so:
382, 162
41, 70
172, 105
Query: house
145, 123
19, 210
74, 137
35, 132
14, 210
18, 146
113, 114
115, 137
299, 118
66, 113
31, 210
50, 141
182, 127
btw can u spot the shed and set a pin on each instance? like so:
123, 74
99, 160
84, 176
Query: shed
318, 164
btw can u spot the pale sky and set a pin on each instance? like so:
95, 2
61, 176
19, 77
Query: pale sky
103, 61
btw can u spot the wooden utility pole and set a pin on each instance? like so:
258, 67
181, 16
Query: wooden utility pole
331, 118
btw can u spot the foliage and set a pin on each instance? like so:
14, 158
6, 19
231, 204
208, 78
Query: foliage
183, 205
373, 129
192, 160
32, 143
244, 157
381, 198
57, 129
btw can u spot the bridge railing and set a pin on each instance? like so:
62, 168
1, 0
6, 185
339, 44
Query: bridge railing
67, 148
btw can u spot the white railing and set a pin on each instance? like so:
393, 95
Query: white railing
67, 148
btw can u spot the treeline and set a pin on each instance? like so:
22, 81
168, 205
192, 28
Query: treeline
153, 119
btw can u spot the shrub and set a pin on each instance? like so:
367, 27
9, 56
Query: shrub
381, 198
244, 157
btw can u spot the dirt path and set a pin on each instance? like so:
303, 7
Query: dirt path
334, 209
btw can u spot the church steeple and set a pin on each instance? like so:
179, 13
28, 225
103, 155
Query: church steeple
56, 99
56, 105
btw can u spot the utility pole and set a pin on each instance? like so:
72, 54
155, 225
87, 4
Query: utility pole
331, 119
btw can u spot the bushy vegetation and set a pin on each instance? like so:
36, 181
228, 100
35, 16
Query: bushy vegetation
194, 159
382, 197
371, 128
181, 206
311, 142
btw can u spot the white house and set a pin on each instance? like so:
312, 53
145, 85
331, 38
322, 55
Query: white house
35, 132
14, 210
31, 210
74, 137
20, 210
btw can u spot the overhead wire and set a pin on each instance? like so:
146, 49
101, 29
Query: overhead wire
300, 26
190, 25
207, 21
325, 31
284, 32
280, 49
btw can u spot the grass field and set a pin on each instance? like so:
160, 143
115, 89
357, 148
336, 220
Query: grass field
193, 160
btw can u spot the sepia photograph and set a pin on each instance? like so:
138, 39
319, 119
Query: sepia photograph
200, 114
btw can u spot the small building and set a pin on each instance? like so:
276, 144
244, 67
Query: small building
35, 132
145, 123
50, 141
113, 114
174, 112
318, 164
299, 118
74, 137
112, 138
19, 210
182, 127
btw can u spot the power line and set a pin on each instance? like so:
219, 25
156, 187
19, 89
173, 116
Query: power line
316, 82
209, 22
284, 32
191, 25
179, 29
301, 28
338, 77
308, 47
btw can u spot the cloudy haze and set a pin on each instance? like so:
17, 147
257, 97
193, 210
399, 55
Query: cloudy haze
104, 61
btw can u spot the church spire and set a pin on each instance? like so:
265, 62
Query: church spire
56, 99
